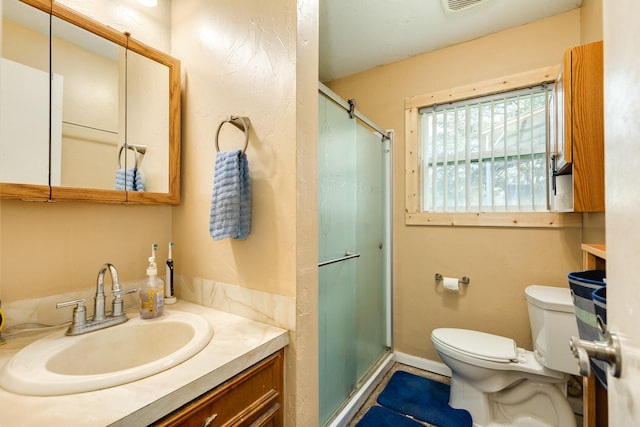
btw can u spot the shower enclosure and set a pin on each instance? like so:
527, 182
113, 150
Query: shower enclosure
354, 250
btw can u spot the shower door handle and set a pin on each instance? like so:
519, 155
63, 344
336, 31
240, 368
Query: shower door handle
347, 255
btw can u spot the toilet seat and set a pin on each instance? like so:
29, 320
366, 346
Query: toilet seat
489, 347
490, 351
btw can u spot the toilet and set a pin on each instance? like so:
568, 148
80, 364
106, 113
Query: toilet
503, 385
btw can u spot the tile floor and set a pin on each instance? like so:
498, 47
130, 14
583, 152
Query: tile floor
576, 403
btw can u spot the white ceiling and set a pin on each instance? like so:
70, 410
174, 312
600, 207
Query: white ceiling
357, 35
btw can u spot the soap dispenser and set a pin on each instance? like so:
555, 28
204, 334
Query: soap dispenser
152, 294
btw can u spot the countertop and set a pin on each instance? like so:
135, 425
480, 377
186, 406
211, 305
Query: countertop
237, 344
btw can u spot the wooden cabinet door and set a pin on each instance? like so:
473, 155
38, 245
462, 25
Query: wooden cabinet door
252, 398
578, 148
587, 127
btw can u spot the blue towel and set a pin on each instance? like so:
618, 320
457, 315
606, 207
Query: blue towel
125, 179
230, 215
129, 179
138, 182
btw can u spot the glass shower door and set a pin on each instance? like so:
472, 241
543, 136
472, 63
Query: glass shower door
336, 222
371, 223
352, 305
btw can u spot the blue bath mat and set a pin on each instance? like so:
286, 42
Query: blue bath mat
423, 399
377, 416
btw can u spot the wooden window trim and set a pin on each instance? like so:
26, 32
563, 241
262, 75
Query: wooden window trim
413, 215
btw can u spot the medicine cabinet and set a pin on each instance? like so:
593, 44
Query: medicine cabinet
577, 145
84, 108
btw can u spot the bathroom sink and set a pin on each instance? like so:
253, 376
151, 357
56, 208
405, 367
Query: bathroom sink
58, 364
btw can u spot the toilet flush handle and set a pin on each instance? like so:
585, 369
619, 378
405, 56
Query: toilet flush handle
607, 351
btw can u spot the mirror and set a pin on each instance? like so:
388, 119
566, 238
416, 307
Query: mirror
91, 70
115, 114
148, 120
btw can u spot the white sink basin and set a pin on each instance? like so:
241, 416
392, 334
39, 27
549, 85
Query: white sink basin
58, 364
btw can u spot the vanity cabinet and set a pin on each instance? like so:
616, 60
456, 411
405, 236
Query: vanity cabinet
577, 145
252, 398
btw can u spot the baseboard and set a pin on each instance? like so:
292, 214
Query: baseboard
356, 401
424, 364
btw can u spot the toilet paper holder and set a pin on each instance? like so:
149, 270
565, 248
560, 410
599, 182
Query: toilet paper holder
464, 281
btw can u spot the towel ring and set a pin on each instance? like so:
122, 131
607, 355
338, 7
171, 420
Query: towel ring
138, 150
130, 147
246, 124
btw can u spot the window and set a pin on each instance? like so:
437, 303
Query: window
477, 155
486, 154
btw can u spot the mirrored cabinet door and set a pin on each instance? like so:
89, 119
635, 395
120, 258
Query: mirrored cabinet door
153, 122
24, 80
147, 119
91, 70
90, 114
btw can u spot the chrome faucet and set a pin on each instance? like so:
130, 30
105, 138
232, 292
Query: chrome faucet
100, 319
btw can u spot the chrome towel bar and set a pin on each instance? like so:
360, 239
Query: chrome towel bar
347, 255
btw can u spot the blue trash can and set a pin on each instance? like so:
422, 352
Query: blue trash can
600, 305
583, 284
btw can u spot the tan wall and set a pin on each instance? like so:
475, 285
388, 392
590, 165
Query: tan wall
248, 59
230, 69
501, 262
54, 248
303, 389
591, 21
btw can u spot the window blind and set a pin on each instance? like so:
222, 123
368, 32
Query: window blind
487, 154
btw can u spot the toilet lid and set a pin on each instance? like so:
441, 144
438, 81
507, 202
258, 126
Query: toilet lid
478, 344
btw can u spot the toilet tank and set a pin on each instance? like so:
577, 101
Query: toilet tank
553, 322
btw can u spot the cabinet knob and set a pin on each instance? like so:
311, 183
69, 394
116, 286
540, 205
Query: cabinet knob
209, 420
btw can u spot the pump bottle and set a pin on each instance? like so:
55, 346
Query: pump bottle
152, 294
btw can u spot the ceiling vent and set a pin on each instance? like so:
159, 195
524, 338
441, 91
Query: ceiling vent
458, 5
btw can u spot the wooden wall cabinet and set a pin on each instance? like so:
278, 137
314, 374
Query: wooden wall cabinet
252, 398
577, 147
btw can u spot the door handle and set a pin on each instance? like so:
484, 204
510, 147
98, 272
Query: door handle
607, 351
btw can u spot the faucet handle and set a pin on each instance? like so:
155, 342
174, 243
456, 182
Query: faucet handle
118, 309
124, 292
79, 312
